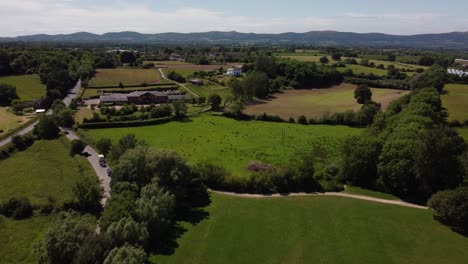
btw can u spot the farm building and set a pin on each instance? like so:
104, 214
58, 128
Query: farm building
235, 71
143, 97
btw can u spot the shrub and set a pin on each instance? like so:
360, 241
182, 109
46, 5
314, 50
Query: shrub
22, 142
18, 208
451, 207
455, 123
291, 120
77, 147
302, 120
103, 145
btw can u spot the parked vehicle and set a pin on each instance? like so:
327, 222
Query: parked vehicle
109, 172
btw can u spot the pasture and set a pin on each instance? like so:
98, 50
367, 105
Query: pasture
234, 144
315, 230
20, 236
456, 101
28, 87
9, 121
112, 77
316, 102
45, 169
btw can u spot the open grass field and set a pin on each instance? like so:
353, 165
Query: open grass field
315, 230
112, 77
456, 101
28, 87
234, 144
18, 238
316, 102
183, 72
9, 121
45, 169
207, 90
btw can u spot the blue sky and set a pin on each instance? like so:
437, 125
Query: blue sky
20, 17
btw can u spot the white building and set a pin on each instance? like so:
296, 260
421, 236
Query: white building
235, 71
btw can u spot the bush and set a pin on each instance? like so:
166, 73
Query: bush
77, 147
103, 145
291, 120
22, 142
161, 111
455, 123
18, 208
302, 120
451, 207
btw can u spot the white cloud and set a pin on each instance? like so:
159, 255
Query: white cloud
59, 16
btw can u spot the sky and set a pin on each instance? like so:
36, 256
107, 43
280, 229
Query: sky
403, 17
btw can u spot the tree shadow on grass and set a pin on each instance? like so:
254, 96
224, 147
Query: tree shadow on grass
194, 215
459, 230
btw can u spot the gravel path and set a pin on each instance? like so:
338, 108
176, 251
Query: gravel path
180, 84
336, 194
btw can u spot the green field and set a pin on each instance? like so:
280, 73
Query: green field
20, 236
207, 90
234, 144
315, 230
28, 87
456, 101
45, 169
316, 102
112, 77
184, 72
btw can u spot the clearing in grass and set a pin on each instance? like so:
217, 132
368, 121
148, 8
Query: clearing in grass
45, 169
315, 230
234, 144
20, 236
456, 101
112, 77
28, 87
316, 102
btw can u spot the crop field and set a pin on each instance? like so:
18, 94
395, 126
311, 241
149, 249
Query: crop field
9, 121
456, 101
45, 169
28, 87
20, 236
112, 77
234, 144
315, 230
316, 102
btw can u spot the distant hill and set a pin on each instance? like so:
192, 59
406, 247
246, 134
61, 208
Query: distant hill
318, 38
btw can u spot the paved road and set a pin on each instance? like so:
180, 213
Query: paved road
101, 172
72, 93
346, 195
180, 84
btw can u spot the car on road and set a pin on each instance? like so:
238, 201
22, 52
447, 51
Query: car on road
109, 172
102, 164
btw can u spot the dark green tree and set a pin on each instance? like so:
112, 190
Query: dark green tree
362, 94
77, 147
46, 128
215, 101
126, 255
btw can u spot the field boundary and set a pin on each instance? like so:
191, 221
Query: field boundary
17, 129
336, 194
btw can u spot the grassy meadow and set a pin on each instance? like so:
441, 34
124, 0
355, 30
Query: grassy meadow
316, 102
315, 230
234, 144
464, 133
20, 236
112, 77
28, 87
456, 101
9, 121
45, 169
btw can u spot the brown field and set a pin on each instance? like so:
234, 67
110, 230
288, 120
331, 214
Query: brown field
316, 102
112, 77
195, 67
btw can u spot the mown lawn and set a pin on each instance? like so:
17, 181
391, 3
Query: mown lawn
316, 102
464, 133
112, 77
234, 144
456, 101
28, 87
315, 230
18, 238
45, 169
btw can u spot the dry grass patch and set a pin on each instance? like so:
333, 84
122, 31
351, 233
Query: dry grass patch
316, 102
9, 121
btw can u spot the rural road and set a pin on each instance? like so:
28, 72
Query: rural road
336, 194
72, 93
101, 172
180, 84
